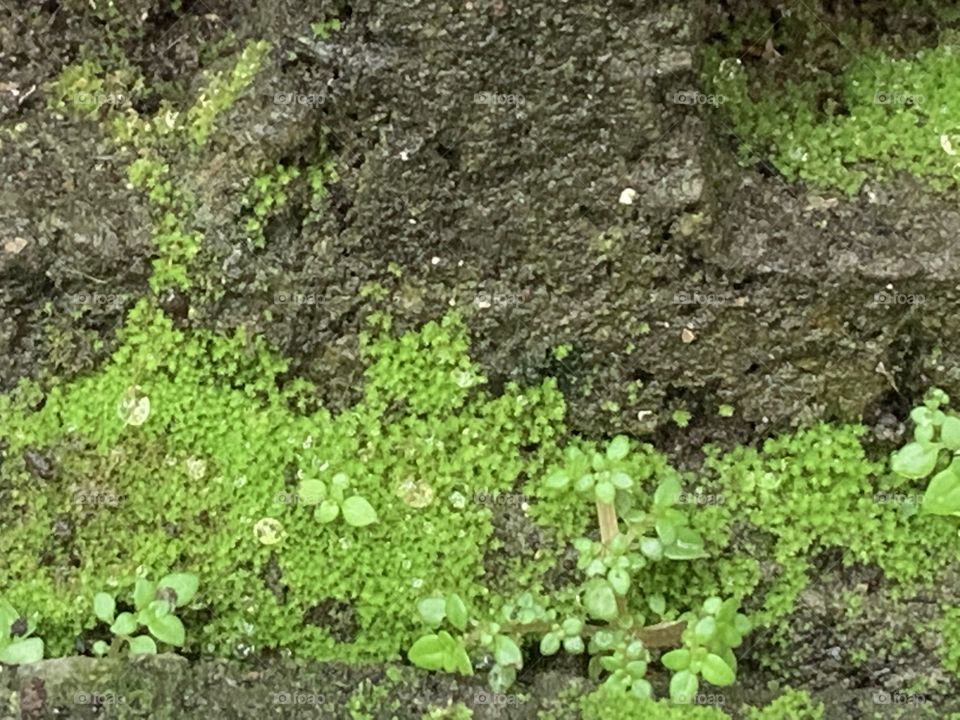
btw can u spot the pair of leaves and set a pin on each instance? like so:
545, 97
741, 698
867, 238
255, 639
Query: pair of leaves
441, 651
433, 611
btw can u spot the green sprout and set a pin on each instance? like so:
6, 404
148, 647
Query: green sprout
17, 646
155, 606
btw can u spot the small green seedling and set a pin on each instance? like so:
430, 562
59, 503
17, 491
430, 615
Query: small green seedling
17, 647
935, 449
333, 503
155, 607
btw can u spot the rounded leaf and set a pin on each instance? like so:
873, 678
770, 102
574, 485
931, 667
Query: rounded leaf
428, 652
684, 686
549, 644
558, 480
716, 671
21, 652
183, 584
142, 645
456, 611
605, 492
104, 607
506, 651
125, 624
705, 629
574, 645
950, 432
943, 493
100, 648
143, 593
668, 492
618, 448
358, 512
915, 460
676, 660
432, 610
328, 512
167, 629
311, 492
619, 580
600, 600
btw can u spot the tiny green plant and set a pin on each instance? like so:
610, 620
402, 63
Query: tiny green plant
333, 501
609, 625
156, 605
935, 450
17, 644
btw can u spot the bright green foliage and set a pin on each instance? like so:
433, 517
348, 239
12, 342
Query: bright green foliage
949, 627
220, 451
792, 705
833, 128
815, 489
708, 642
17, 646
606, 703
155, 605
265, 196
333, 502
323, 28
935, 447
85, 88
222, 91
457, 711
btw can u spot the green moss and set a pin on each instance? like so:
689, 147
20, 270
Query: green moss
792, 705
457, 711
834, 110
325, 591
949, 627
603, 704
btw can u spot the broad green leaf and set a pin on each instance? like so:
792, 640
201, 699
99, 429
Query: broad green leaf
558, 480
104, 606
328, 511
943, 493
666, 531
143, 593
600, 600
621, 480
657, 603
683, 687
605, 492
668, 492
618, 448
125, 624
651, 547
688, 546
705, 629
915, 460
716, 671
311, 492
619, 580
676, 660
21, 652
358, 512
428, 652
460, 660
574, 645
950, 433
432, 610
100, 648
550, 644
456, 611
183, 584
168, 629
506, 651
143, 645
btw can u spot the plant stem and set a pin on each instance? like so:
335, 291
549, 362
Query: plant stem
609, 529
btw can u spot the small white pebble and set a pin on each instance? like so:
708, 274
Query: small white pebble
687, 336
628, 196
435, 260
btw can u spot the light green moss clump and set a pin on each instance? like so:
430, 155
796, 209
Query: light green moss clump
603, 704
223, 449
792, 705
879, 115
